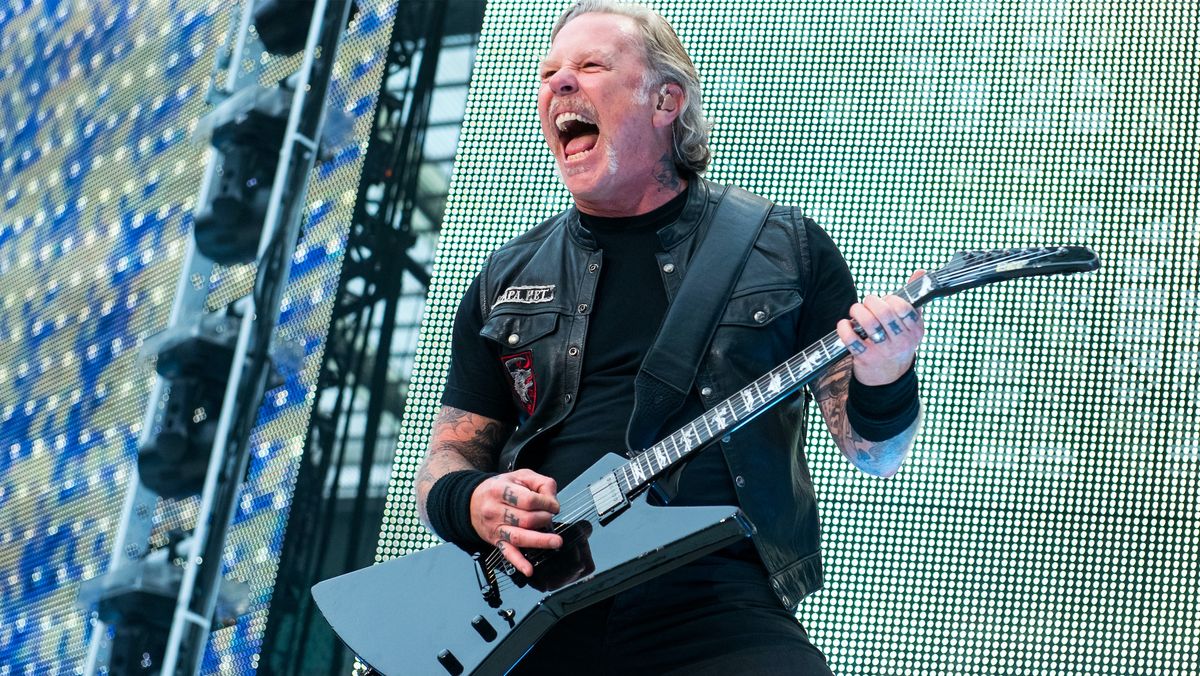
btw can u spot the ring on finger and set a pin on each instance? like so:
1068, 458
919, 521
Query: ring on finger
879, 335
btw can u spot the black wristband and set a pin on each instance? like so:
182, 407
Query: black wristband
448, 506
880, 412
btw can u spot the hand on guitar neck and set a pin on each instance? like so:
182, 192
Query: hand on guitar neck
882, 335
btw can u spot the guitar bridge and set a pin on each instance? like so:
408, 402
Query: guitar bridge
488, 585
608, 497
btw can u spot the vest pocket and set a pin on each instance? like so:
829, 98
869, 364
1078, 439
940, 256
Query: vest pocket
513, 331
760, 308
757, 331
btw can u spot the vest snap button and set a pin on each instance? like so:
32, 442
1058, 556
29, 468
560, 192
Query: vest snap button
740, 481
573, 351
669, 268
582, 308
707, 391
760, 316
593, 267
513, 339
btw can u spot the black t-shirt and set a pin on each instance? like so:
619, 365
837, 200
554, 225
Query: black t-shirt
629, 306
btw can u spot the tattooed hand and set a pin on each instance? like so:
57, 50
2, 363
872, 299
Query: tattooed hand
515, 510
885, 347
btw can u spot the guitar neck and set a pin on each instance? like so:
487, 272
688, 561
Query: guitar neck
966, 270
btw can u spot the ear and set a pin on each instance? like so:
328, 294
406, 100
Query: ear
668, 102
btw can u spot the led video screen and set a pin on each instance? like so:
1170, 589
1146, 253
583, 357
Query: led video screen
1046, 520
99, 176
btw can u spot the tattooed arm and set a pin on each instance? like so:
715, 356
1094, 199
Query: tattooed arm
877, 458
882, 341
460, 440
510, 510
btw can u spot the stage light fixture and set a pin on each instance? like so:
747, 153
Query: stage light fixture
139, 601
282, 25
174, 458
228, 227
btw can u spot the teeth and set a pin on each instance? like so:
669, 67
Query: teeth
562, 120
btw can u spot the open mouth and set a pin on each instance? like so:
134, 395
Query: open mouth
577, 133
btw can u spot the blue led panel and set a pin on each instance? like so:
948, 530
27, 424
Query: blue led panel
98, 180
1046, 522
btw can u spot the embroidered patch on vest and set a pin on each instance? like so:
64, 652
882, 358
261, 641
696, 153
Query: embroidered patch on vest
526, 294
519, 368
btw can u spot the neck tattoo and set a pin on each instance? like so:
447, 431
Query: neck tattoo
666, 174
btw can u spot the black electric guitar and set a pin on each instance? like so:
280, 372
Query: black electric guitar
441, 611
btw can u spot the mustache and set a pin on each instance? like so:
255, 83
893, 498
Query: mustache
574, 105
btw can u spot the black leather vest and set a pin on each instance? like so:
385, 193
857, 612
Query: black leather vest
536, 296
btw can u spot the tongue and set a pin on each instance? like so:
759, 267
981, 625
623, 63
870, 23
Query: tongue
581, 144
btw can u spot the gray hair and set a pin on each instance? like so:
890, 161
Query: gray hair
668, 62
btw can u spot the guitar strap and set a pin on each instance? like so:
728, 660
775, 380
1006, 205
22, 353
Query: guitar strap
671, 363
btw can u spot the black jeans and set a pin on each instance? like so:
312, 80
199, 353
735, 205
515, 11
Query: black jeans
715, 616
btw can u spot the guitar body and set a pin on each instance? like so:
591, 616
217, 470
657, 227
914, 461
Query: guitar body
400, 615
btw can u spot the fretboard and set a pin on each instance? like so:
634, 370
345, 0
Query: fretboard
744, 405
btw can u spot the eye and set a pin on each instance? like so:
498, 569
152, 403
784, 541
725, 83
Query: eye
547, 74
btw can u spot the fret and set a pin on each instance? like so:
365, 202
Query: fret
646, 462
790, 369
675, 444
719, 417
789, 380
829, 348
813, 361
731, 413
741, 407
748, 398
638, 473
775, 385
762, 386
802, 362
661, 454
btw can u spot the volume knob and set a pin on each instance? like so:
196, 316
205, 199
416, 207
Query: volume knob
450, 663
484, 628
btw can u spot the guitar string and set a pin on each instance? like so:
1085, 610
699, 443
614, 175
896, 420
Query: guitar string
580, 504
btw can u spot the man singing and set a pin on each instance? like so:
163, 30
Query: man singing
537, 395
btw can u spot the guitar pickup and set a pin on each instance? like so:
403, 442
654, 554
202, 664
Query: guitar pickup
608, 497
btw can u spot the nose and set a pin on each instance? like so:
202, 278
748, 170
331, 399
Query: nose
563, 83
